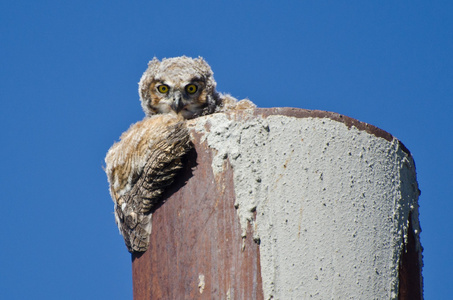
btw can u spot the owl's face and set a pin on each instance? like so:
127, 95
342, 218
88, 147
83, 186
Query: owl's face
185, 97
179, 85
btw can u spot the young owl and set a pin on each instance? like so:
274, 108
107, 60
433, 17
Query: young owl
148, 156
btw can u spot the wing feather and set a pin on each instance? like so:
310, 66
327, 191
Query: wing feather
139, 167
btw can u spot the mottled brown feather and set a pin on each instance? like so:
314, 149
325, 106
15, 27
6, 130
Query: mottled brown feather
159, 172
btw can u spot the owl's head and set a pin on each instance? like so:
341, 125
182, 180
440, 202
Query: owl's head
180, 85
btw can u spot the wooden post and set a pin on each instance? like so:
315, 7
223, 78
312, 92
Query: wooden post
286, 203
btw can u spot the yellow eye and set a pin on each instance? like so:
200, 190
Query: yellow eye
191, 88
163, 88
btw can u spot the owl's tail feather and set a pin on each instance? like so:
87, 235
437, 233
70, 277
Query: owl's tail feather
159, 172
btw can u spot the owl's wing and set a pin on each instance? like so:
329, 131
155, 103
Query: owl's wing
139, 168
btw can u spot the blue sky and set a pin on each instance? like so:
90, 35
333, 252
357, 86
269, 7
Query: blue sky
68, 88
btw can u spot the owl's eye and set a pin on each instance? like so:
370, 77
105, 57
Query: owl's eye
191, 88
163, 88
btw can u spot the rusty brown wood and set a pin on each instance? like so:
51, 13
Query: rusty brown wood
196, 234
410, 269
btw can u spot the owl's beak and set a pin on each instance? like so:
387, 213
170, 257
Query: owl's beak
177, 103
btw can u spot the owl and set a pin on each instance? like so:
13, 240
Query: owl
149, 154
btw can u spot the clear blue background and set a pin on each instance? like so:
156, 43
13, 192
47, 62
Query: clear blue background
68, 88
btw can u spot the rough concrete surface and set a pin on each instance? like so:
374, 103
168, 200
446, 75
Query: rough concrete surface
329, 203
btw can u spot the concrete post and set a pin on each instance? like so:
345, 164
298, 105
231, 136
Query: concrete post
286, 203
